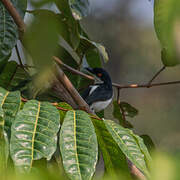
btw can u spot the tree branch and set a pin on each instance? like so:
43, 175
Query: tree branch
16, 17
70, 88
156, 75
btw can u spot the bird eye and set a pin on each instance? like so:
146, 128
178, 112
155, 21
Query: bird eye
99, 74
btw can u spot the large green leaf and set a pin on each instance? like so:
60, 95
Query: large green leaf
34, 134
78, 145
127, 141
114, 159
8, 29
4, 151
41, 38
166, 21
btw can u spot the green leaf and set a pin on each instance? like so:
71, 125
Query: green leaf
86, 44
93, 58
41, 38
78, 145
34, 134
64, 7
8, 29
12, 75
66, 108
79, 8
4, 151
128, 109
127, 142
149, 143
10, 103
166, 21
114, 159
144, 149
117, 113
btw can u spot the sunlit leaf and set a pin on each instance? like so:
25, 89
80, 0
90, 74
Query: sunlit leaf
34, 134
10, 103
78, 145
129, 145
114, 159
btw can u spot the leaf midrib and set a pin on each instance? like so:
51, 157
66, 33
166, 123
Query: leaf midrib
34, 133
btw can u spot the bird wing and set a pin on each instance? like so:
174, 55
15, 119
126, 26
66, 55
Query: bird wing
99, 94
86, 92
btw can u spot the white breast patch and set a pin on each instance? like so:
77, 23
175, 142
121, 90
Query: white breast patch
93, 89
100, 105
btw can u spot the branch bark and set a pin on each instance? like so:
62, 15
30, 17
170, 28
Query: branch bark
16, 17
70, 88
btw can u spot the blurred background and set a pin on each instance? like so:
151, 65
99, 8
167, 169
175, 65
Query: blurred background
126, 29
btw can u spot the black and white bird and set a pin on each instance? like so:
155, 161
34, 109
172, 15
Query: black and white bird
99, 95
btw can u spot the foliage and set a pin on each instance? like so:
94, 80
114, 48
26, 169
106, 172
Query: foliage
33, 129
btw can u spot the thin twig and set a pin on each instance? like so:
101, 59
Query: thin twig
73, 92
120, 86
62, 109
156, 75
19, 57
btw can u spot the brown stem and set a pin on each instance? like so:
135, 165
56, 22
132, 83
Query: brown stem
156, 75
15, 15
19, 57
70, 88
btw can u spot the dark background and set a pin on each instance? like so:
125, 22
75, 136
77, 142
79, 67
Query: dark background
125, 28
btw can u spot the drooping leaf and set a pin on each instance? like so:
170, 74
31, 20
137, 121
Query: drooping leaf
78, 145
144, 149
10, 103
80, 8
34, 134
8, 29
148, 142
166, 20
117, 113
127, 142
12, 76
86, 44
114, 159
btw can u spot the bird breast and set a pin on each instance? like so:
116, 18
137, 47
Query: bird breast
100, 105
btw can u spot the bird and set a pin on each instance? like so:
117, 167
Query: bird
99, 95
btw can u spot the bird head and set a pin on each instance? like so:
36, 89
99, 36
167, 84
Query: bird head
100, 74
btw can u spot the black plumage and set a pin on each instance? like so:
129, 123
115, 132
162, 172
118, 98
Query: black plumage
99, 94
